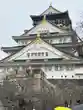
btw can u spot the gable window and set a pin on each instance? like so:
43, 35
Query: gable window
37, 54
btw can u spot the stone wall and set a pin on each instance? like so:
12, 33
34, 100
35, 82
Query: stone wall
71, 89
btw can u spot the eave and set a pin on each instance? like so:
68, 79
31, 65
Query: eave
50, 17
41, 63
44, 35
12, 49
18, 48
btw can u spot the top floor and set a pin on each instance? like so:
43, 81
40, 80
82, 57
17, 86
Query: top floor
53, 15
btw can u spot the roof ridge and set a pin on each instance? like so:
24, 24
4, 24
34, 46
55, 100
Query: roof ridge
52, 8
13, 46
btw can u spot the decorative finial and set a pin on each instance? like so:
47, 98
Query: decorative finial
44, 19
51, 3
38, 39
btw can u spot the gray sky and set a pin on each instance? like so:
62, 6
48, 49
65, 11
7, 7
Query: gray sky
14, 15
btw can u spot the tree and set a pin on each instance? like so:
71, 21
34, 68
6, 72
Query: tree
79, 26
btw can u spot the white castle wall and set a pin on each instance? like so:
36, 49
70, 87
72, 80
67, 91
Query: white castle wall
51, 71
56, 40
64, 73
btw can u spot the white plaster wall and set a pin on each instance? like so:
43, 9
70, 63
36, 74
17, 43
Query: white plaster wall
70, 74
24, 42
51, 72
36, 49
45, 27
61, 40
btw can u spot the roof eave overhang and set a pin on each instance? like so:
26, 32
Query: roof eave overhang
16, 38
8, 64
11, 49
35, 17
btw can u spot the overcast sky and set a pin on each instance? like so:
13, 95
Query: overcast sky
14, 15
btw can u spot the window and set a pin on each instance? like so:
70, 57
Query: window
60, 21
79, 77
63, 22
42, 53
64, 40
69, 67
46, 53
39, 54
47, 40
32, 54
53, 21
46, 68
28, 54
65, 76
72, 76
60, 40
60, 67
56, 21
61, 76
56, 67
50, 68
35, 54
50, 41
